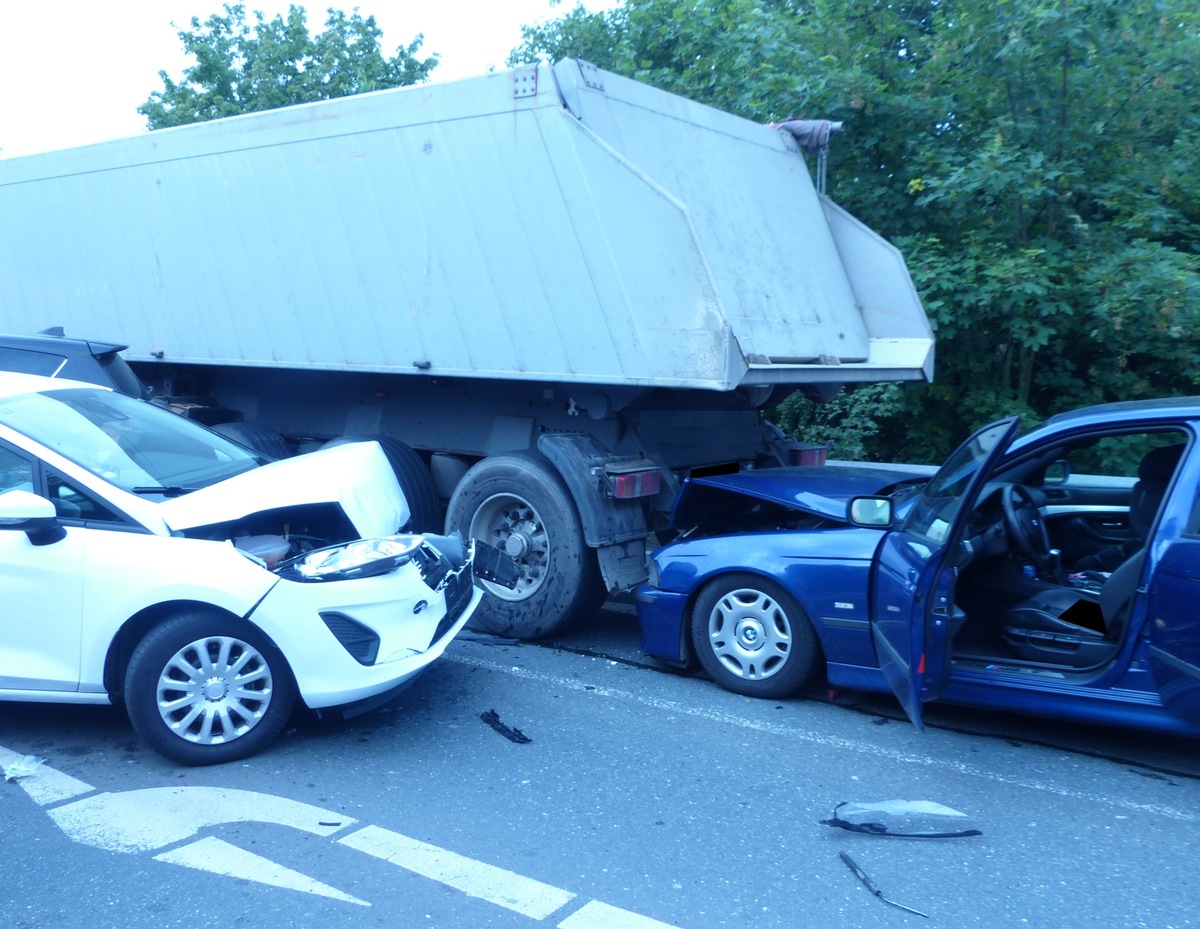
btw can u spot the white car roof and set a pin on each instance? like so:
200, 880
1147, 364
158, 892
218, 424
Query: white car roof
12, 383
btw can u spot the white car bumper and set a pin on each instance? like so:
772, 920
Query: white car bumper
349, 640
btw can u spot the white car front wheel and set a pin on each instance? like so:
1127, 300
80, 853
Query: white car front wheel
204, 688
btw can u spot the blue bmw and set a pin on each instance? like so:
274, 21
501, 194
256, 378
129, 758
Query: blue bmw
1055, 573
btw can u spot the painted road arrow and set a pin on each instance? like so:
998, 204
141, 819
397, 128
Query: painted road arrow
140, 821
137, 821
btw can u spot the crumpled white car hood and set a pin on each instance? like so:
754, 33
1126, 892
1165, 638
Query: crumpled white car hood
357, 476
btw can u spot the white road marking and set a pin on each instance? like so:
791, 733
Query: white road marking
219, 857
487, 882
143, 820
833, 742
46, 786
597, 915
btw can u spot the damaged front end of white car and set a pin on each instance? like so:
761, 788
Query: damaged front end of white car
354, 619
341, 629
160, 566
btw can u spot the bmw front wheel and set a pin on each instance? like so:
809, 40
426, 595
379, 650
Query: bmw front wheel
752, 637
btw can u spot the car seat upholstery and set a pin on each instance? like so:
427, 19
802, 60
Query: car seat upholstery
1062, 625
1154, 474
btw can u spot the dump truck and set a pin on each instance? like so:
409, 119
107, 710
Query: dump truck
551, 293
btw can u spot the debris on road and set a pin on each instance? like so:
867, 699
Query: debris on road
870, 885
492, 718
22, 767
920, 819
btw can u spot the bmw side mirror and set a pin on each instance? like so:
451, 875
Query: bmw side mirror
26, 512
1056, 473
870, 512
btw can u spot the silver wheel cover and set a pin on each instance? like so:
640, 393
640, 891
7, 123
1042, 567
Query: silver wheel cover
214, 690
750, 634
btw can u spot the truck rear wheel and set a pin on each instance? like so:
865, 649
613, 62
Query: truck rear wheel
414, 477
518, 503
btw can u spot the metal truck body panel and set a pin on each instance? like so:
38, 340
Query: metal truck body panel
549, 294
559, 225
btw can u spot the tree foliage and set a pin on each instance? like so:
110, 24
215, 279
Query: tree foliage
242, 66
1036, 161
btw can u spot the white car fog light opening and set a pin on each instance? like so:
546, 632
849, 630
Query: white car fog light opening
360, 641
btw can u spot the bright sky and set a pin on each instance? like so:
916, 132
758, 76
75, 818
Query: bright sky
74, 72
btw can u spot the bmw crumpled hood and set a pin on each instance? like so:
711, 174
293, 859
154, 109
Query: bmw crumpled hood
356, 476
822, 490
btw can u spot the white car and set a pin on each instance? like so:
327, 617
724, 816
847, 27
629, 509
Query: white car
148, 561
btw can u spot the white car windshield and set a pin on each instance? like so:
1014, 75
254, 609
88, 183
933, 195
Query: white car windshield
135, 445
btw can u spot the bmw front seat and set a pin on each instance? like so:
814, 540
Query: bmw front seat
1067, 626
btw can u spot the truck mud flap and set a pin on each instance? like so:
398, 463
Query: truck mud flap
605, 521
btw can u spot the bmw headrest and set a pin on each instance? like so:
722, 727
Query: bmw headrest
1159, 464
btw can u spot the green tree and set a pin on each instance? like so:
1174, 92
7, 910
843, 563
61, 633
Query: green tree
1034, 159
242, 67
1059, 253
594, 37
847, 425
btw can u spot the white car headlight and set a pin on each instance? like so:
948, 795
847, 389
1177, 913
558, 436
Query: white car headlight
364, 558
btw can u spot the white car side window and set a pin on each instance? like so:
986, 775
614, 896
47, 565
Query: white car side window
16, 473
70, 502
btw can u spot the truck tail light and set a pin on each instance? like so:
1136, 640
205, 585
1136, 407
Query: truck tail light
804, 454
630, 484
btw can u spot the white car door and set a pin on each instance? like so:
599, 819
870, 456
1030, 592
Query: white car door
41, 589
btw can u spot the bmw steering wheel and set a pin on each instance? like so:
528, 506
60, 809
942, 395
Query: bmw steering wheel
1024, 523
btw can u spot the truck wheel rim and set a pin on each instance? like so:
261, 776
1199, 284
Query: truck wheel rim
511, 524
214, 690
750, 634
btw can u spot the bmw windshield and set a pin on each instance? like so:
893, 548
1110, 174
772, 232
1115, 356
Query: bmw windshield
132, 444
945, 494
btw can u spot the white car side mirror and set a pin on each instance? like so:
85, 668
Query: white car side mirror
27, 512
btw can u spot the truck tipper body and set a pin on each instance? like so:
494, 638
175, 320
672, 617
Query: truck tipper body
554, 292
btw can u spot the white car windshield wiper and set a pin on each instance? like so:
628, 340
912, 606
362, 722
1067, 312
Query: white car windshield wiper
171, 490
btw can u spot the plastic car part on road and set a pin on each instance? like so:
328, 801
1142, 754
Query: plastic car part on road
914, 819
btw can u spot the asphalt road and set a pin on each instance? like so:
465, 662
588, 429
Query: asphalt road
605, 794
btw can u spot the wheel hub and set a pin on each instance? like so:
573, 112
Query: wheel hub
214, 690
511, 524
517, 545
750, 634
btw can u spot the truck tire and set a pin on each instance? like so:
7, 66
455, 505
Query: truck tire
519, 504
414, 477
256, 437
